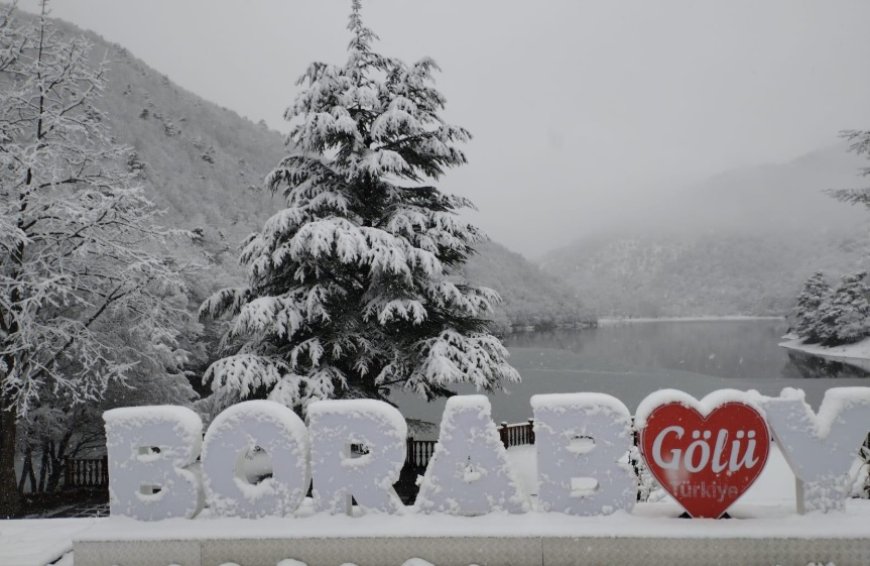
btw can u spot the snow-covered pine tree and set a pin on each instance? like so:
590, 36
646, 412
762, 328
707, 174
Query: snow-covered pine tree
839, 317
354, 287
806, 312
859, 144
824, 327
85, 302
850, 310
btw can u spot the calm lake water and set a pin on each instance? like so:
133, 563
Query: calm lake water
630, 361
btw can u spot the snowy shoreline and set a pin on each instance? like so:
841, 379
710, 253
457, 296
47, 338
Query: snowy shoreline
726, 318
857, 354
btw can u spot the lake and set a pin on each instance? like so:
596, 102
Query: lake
631, 360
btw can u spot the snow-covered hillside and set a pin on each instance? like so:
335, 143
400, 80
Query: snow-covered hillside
531, 296
740, 243
205, 165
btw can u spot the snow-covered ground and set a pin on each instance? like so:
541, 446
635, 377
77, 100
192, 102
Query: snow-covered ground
34, 542
857, 354
647, 520
770, 503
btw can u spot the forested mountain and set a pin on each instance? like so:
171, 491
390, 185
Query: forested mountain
740, 243
705, 274
531, 296
205, 165
201, 163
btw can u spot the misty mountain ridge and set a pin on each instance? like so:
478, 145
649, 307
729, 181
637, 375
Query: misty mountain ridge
741, 242
763, 199
204, 166
531, 296
738, 243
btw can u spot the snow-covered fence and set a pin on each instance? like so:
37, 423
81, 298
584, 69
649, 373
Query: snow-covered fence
419, 452
417, 456
87, 473
517, 434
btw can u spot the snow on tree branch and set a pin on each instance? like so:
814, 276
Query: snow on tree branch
87, 301
354, 288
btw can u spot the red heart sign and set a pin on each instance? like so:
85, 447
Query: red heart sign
705, 463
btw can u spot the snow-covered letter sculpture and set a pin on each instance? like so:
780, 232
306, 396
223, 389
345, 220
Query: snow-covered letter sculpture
357, 450
230, 489
820, 449
582, 440
149, 449
469, 473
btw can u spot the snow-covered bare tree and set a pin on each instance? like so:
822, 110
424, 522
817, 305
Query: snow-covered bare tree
86, 299
354, 287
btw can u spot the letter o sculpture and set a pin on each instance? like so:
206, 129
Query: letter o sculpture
277, 430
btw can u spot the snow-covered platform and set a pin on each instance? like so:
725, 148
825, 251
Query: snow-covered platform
652, 534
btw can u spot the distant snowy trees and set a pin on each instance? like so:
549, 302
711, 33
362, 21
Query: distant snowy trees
354, 288
848, 309
833, 316
88, 305
808, 324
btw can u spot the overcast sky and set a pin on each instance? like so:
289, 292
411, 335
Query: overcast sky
576, 107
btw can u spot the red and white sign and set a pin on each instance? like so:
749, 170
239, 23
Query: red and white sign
706, 462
